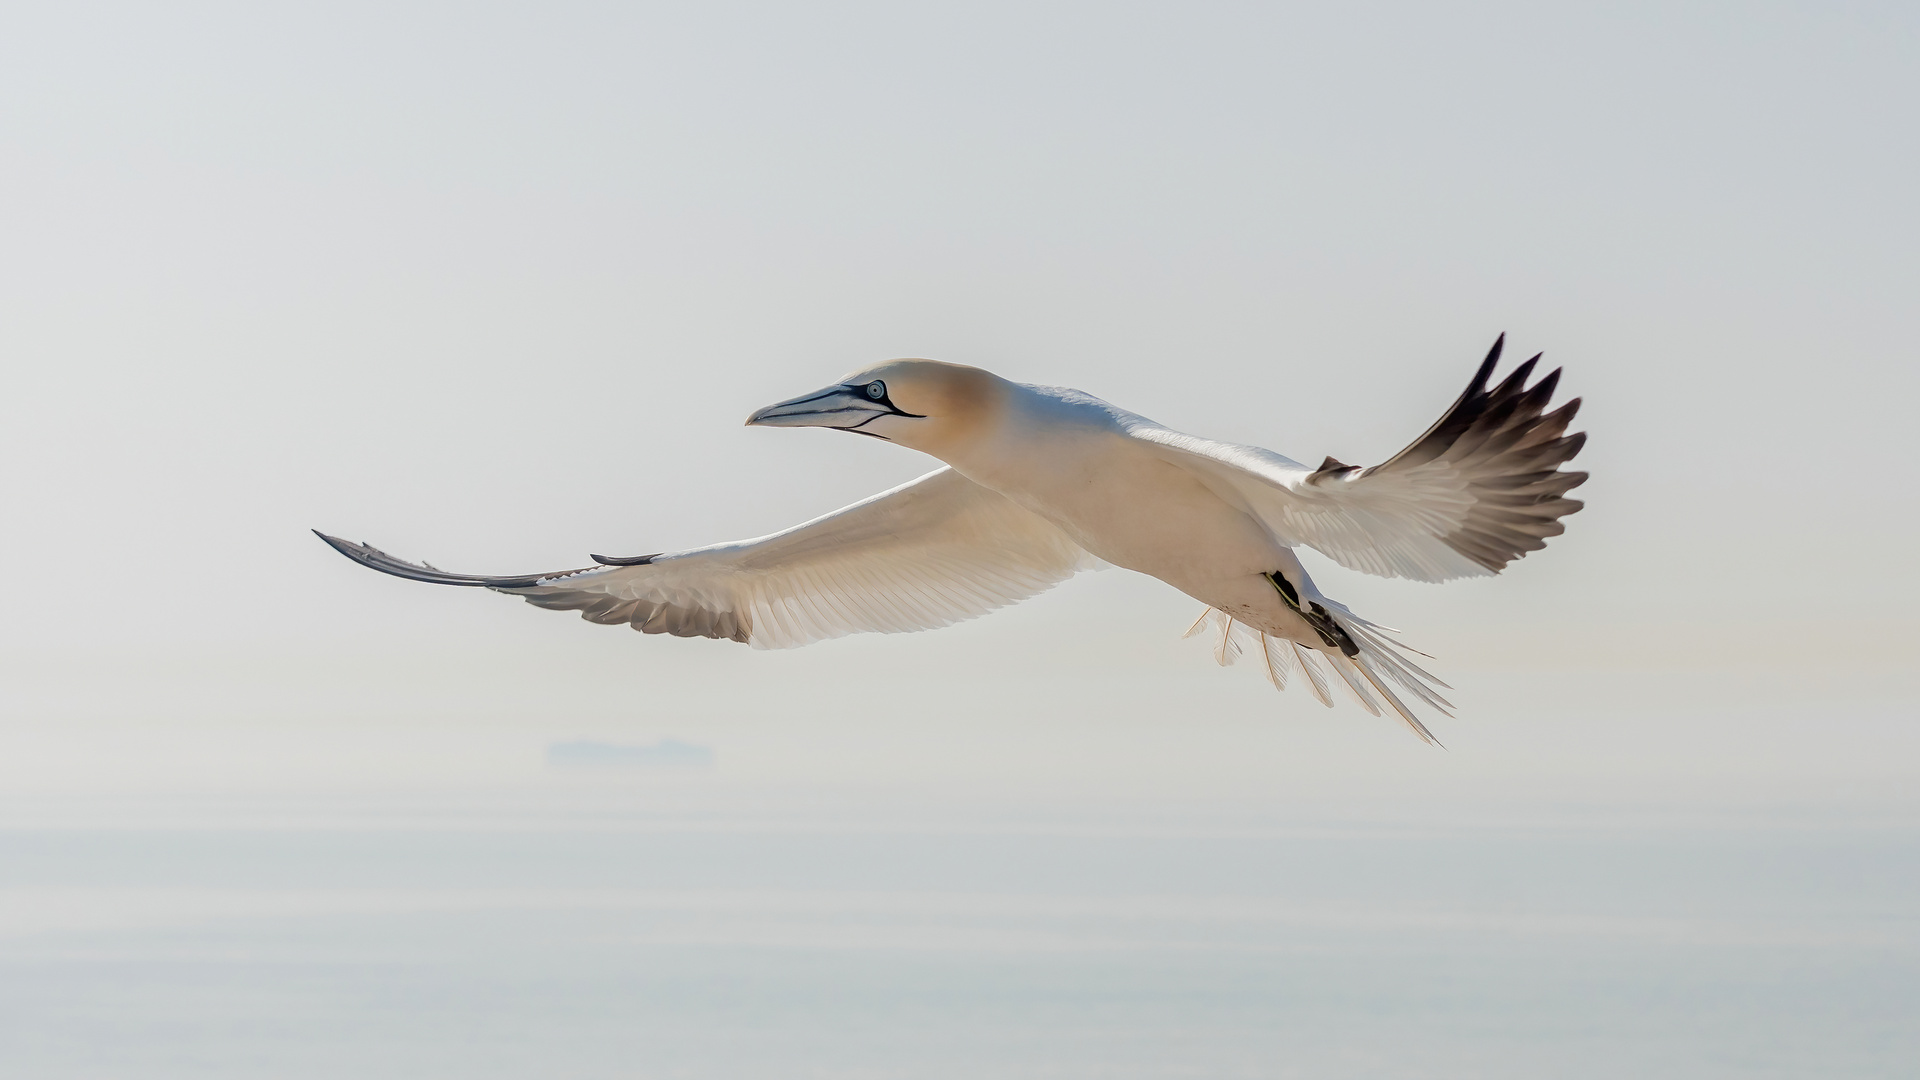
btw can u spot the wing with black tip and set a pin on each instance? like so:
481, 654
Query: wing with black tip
1482, 487
935, 551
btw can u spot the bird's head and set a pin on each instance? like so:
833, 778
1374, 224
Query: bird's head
924, 404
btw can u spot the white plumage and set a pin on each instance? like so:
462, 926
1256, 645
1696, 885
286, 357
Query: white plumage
926, 554
1043, 482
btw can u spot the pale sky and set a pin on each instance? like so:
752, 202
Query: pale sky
496, 287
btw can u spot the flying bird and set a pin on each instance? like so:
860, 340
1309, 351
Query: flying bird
1041, 482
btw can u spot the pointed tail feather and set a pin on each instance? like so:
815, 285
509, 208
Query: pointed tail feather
1279, 658
1383, 659
1310, 661
1370, 674
1349, 673
1227, 649
1399, 706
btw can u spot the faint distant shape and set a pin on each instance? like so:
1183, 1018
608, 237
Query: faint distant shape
665, 755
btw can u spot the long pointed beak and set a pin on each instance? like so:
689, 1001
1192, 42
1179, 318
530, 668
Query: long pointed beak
835, 407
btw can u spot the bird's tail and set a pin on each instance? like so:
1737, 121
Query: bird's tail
1369, 673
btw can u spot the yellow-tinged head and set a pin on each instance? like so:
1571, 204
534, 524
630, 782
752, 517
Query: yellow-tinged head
928, 405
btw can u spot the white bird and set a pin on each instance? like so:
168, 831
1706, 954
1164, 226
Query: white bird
1042, 482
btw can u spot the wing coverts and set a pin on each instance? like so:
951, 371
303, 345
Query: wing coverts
935, 551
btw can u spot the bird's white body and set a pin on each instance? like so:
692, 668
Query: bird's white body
1041, 483
1073, 459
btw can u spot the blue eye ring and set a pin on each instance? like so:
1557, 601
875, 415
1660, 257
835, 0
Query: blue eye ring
876, 390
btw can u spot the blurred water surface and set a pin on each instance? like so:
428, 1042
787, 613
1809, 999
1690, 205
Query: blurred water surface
605, 936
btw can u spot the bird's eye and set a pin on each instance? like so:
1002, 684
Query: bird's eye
876, 389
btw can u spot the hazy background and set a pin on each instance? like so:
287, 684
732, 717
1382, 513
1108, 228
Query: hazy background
495, 286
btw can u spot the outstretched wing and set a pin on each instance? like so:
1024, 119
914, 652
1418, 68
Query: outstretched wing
928, 553
1480, 489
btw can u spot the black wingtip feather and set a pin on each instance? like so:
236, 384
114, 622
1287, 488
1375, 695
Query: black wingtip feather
1492, 361
630, 560
1503, 428
1535, 398
374, 559
1516, 379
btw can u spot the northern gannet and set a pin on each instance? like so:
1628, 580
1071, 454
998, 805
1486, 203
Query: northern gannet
1040, 483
